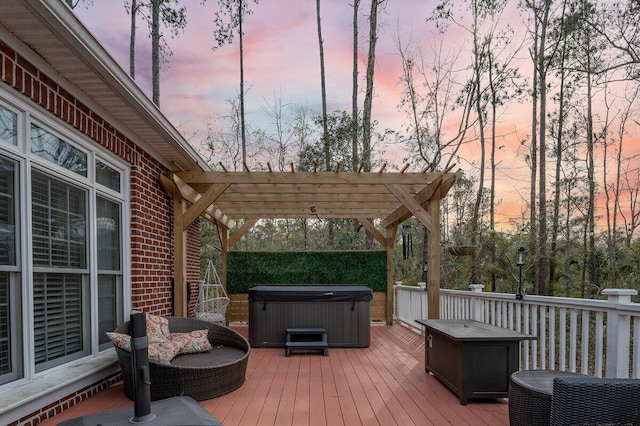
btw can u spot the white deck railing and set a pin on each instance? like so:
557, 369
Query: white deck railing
598, 337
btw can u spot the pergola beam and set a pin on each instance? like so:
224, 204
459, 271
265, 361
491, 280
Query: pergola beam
414, 207
373, 231
193, 196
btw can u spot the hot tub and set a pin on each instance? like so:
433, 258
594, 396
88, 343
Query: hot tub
343, 310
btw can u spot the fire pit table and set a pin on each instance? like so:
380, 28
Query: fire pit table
473, 359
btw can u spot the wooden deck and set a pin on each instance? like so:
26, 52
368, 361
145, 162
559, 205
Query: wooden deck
383, 384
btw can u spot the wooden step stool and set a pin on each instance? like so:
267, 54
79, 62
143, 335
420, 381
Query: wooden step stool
306, 338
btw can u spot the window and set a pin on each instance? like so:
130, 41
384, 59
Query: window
8, 126
109, 266
60, 326
46, 145
59, 241
72, 244
10, 337
59, 223
107, 176
8, 242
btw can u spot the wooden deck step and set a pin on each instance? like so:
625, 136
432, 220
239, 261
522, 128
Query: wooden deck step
307, 338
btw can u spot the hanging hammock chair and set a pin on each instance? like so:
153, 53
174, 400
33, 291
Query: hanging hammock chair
212, 298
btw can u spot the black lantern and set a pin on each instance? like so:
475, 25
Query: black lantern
520, 262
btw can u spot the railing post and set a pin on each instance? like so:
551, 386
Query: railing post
618, 329
476, 304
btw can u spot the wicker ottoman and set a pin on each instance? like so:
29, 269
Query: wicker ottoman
530, 396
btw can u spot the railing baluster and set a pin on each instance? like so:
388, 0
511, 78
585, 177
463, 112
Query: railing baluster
563, 339
534, 331
599, 336
636, 348
573, 339
542, 337
584, 357
552, 338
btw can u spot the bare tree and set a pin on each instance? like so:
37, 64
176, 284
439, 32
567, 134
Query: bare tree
368, 96
542, 57
229, 18
354, 91
323, 87
155, 51
564, 92
430, 100
133, 8
156, 13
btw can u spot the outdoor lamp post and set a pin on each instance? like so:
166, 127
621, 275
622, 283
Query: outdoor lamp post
520, 263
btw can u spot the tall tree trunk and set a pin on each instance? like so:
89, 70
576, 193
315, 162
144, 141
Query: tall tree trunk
243, 133
368, 96
354, 99
492, 160
325, 126
132, 40
568, 251
155, 50
558, 177
542, 187
354, 92
533, 151
592, 183
475, 221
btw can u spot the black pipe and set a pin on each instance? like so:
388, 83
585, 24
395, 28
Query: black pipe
140, 368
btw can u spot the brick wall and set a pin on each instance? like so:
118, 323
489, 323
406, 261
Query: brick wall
151, 208
46, 413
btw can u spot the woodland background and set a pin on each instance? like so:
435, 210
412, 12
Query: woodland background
568, 71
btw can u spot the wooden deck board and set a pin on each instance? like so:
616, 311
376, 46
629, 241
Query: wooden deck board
383, 384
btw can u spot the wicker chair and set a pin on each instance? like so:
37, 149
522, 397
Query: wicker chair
201, 376
595, 401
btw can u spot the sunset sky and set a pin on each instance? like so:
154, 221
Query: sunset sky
282, 59
281, 56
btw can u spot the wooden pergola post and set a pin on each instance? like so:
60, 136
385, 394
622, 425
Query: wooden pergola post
223, 235
433, 271
390, 242
179, 258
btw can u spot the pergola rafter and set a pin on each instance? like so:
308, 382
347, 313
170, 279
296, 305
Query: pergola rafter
224, 197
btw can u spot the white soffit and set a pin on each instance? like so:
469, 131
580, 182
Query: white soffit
51, 30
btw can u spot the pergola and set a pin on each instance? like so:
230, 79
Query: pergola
224, 196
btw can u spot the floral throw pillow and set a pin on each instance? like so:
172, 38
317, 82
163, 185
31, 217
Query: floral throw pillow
159, 352
193, 341
163, 352
157, 329
123, 341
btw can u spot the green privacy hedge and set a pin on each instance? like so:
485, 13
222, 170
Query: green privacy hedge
246, 269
